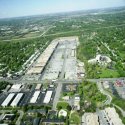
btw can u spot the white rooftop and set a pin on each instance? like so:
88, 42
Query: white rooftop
62, 113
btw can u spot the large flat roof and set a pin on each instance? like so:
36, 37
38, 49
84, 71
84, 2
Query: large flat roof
34, 97
47, 97
113, 116
43, 59
17, 99
8, 99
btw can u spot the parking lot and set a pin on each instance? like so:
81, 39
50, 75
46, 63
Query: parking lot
28, 94
120, 89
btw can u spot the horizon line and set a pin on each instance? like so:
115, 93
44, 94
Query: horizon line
54, 13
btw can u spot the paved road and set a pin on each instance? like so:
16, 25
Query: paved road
106, 79
122, 111
59, 87
109, 97
62, 80
64, 64
57, 95
20, 117
31, 37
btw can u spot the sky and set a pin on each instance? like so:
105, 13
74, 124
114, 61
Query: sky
16, 8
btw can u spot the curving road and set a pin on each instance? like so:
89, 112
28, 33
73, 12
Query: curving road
20, 117
109, 97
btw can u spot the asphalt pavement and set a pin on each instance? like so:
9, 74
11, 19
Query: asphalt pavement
109, 97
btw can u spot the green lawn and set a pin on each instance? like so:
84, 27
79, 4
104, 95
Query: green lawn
119, 102
105, 73
62, 105
74, 118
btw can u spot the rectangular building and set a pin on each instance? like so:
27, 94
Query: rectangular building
113, 116
43, 59
15, 88
47, 97
8, 100
35, 97
17, 99
38, 86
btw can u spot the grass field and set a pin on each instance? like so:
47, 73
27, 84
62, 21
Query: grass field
74, 118
105, 73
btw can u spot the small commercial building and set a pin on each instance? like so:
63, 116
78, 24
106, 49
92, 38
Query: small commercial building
35, 97
38, 86
47, 97
17, 99
8, 100
15, 88
77, 103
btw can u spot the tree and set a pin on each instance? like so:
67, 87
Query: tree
69, 108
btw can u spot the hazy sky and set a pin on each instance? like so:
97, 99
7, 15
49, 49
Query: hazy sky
14, 8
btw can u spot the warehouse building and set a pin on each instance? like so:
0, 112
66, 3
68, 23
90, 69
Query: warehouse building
8, 100
35, 97
17, 99
43, 59
113, 116
47, 97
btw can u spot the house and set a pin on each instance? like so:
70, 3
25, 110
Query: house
62, 113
